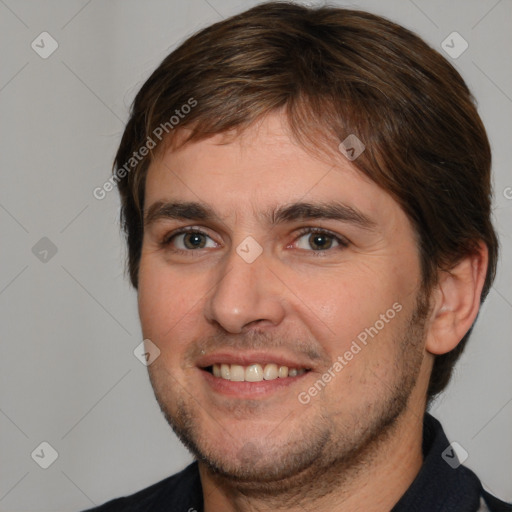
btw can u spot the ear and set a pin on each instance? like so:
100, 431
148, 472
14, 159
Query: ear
456, 301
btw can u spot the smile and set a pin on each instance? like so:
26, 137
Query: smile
254, 372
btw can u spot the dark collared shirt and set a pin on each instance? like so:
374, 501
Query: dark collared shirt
442, 485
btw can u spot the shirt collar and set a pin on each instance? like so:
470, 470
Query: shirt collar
442, 485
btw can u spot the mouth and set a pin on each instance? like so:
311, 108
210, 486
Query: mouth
254, 372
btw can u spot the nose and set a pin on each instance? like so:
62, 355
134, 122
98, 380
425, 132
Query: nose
245, 295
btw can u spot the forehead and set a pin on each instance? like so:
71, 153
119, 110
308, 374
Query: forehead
249, 173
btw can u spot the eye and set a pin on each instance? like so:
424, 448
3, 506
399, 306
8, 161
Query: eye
319, 240
189, 240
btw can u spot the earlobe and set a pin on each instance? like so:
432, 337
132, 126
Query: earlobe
456, 301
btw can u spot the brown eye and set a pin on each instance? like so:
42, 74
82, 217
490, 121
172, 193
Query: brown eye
194, 240
317, 240
188, 240
320, 241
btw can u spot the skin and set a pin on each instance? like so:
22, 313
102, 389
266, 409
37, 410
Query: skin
356, 445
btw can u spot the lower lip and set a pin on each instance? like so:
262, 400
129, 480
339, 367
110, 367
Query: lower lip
249, 389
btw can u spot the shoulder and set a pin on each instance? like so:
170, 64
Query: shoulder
179, 491
465, 482
493, 504
443, 483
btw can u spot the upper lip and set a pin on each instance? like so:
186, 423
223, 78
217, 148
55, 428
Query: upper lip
248, 358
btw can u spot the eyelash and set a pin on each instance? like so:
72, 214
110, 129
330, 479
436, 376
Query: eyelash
343, 242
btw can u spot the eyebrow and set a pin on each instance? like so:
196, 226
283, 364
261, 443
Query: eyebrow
299, 211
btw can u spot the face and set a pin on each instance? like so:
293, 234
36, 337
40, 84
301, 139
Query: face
261, 261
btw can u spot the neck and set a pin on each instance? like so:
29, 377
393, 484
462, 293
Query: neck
375, 483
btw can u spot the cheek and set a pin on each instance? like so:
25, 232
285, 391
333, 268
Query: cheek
167, 301
359, 322
346, 302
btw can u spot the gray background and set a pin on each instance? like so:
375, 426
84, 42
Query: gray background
69, 322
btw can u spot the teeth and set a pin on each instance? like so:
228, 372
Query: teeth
270, 372
225, 371
237, 373
254, 372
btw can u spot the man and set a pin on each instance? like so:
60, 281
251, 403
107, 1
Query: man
306, 198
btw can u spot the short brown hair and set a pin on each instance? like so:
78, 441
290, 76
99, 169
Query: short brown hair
334, 72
